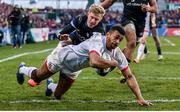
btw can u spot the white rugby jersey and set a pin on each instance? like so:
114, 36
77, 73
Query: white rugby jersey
80, 58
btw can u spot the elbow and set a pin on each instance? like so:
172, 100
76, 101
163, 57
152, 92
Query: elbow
94, 59
155, 10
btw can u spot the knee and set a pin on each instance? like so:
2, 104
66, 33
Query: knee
57, 96
132, 44
35, 77
143, 42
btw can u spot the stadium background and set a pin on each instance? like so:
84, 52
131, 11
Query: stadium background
159, 81
47, 17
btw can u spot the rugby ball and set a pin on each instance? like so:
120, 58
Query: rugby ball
101, 71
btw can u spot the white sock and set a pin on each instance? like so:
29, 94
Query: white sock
27, 70
52, 86
140, 51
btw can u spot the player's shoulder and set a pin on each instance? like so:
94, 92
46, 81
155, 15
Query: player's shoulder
97, 36
96, 39
117, 50
81, 18
99, 28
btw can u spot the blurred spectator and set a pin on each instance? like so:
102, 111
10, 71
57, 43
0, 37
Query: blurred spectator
1, 37
14, 20
56, 19
162, 22
4, 30
174, 1
25, 25
52, 28
172, 17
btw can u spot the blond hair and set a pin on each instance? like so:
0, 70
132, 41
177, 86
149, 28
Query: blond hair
97, 9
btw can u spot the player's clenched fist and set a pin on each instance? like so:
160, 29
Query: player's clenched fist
62, 37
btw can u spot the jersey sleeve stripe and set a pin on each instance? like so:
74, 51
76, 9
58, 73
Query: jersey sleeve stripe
95, 52
125, 68
46, 66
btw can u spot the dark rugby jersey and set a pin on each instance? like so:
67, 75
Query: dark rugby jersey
132, 9
79, 30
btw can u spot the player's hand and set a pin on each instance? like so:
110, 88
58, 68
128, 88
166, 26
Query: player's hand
114, 63
144, 103
63, 37
145, 8
143, 40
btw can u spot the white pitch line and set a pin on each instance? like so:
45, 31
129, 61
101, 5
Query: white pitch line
168, 53
158, 78
163, 78
172, 53
85, 101
169, 42
24, 54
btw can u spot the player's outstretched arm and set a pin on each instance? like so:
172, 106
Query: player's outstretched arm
132, 83
65, 31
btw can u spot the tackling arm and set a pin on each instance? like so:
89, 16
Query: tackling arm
65, 32
132, 83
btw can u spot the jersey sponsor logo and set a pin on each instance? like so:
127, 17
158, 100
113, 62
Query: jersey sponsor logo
134, 0
134, 4
82, 51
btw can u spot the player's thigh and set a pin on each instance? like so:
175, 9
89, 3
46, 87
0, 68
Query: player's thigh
130, 29
128, 25
64, 83
51, 65
130, 34
71, 75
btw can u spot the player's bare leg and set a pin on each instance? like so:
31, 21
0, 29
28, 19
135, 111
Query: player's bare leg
131, 41
141, 48
62, 87
131, 44
35, 75
41, 74
157, 43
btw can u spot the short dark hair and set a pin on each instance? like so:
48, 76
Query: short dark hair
118, 28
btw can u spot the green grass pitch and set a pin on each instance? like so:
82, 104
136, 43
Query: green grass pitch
159, 82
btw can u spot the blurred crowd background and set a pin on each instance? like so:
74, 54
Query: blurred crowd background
55, 19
